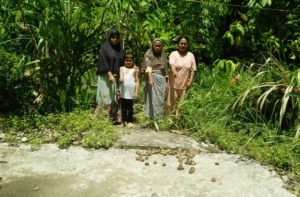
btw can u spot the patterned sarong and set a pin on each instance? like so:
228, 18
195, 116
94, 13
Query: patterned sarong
155, 96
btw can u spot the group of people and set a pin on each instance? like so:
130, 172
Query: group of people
118, 78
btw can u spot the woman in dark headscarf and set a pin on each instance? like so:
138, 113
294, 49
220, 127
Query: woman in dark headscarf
155, 65
110, 61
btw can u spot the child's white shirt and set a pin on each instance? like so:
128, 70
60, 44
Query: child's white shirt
128, 84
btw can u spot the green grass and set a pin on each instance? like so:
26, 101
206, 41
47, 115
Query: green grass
207, 113
79, 128
282, 153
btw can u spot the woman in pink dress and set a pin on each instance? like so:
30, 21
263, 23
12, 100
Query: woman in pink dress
181, 75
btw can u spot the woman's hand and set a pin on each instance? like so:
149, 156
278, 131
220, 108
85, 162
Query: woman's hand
174, 74
150, 79
190, 79
150, 83
112, 79
188, 83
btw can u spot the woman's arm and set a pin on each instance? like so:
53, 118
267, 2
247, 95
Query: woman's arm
190, 79
173, 70
192, 73
137, 82
149, 75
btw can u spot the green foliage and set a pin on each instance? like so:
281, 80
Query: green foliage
57, 48
278, 95
253, 30
207, 114
94, 139
236, 31
78, 128
226, 66
49, 48
199, 21
259, 3
14, 96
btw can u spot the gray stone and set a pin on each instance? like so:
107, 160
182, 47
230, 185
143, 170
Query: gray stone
147, 138
285, 178
2, 136
24, 139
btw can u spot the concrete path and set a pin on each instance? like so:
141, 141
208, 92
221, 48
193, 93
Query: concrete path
142, 163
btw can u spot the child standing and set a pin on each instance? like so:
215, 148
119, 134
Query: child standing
129, 79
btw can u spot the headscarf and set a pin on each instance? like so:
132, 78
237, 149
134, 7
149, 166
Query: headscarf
156, 39
111, 56
155, 61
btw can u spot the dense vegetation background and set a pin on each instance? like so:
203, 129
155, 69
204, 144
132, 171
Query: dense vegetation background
245, 97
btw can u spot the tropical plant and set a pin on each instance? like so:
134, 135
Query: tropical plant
56, 43
226, 66
277, 93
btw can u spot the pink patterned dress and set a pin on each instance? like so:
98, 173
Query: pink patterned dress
177, 85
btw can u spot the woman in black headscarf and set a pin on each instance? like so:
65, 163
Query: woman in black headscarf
110, 61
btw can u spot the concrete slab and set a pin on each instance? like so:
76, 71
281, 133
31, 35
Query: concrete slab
142, 138
77, 172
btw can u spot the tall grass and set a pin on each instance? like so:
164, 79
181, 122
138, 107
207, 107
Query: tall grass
278, 93
207, 113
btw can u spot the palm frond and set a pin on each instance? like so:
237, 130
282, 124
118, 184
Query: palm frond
297, 132
284, 103
261, 100
271, 77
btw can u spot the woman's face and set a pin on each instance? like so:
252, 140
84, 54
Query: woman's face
114, 40
183, 45
157, 47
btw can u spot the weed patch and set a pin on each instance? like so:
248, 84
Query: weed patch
75, 128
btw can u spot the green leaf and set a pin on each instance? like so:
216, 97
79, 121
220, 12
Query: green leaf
229, 37
33, 62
